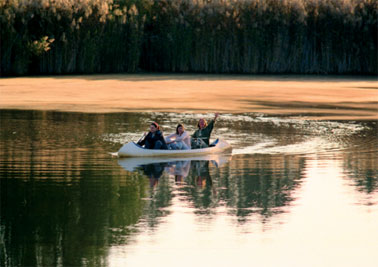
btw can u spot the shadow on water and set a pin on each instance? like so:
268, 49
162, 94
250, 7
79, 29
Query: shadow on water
66, 202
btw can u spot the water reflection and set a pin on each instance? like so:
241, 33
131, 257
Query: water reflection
49, 223
66, 201
180, 171
153, 171
245, 185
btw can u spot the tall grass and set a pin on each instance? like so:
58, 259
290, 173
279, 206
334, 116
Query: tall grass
230, 36
89, 36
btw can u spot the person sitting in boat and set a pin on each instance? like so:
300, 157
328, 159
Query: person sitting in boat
154, 139
179, 140
201, 137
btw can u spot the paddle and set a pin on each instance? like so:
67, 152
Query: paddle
140, 139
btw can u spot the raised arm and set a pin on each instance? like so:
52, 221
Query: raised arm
211, 123
210, 126
216, 116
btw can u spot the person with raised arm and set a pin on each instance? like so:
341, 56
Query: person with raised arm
201, 137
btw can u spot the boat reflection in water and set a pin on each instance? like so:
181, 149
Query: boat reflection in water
179, 168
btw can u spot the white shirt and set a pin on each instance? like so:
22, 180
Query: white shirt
184, 137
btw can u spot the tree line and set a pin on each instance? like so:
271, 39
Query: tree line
204, 36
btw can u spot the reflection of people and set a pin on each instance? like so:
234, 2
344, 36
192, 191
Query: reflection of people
179, 140
202, 173
154, 139
201, 137
153, 171
203, 192
180, 170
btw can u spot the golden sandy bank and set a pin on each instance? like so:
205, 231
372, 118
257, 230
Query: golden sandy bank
316, 97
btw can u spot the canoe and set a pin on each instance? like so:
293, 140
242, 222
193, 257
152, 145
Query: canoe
131, 149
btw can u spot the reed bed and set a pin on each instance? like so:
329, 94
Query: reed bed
230, 36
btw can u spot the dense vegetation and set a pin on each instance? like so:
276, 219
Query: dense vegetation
212, 36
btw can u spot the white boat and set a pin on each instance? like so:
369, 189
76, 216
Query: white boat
132, 149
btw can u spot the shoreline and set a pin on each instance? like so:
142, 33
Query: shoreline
312, 97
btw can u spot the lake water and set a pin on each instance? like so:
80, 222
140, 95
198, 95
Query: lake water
293, 192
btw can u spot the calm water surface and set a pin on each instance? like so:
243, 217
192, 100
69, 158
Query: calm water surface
294, 192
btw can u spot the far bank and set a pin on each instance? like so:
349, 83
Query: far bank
311, 97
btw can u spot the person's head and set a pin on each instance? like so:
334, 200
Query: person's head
154, 127
202, 123
180, 129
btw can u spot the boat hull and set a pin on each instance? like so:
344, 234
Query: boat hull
131, 149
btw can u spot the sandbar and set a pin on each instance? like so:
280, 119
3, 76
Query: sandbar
309, 97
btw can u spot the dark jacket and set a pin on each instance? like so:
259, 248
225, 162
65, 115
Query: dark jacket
150, 140
204, 133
